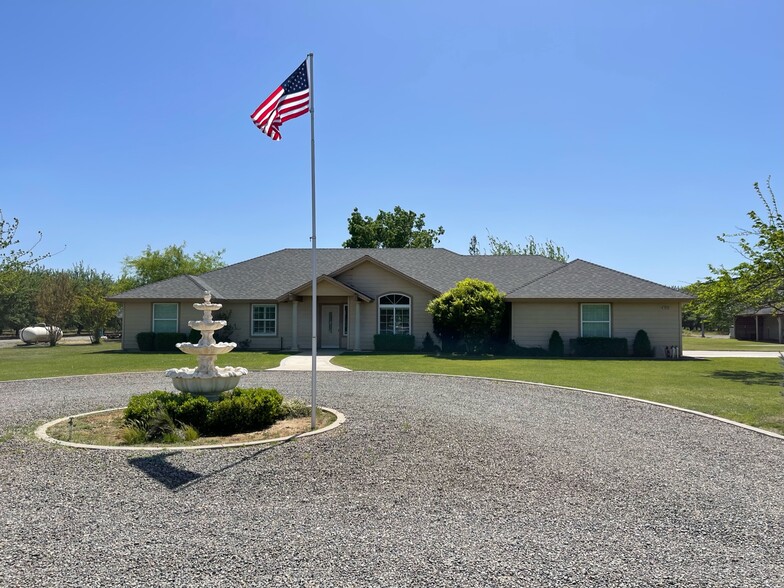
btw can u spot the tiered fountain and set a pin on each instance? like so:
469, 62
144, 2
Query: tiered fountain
206, 379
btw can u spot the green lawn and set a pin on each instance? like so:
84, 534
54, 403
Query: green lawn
743, 390
723, 344
40, 361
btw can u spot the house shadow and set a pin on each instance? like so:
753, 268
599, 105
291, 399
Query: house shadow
176, 479
749, 377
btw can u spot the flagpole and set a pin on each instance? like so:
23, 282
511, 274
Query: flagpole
314, 309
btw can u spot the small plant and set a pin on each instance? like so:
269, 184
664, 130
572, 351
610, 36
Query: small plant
134, 433
428, 346
641, 347
555, 346
293, 408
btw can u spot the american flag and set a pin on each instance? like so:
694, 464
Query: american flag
289, 100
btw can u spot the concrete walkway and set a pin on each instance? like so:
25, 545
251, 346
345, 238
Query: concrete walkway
712, 354
303, 362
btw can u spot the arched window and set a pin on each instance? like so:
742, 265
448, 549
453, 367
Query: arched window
394, 314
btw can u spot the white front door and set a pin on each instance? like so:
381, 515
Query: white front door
330, 326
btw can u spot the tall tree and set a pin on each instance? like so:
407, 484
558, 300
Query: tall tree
531, 247
758, 281
55, 302
155, 265
397, 229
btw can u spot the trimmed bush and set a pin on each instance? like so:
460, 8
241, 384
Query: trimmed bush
599, 346
512, 349
641, 347
243, 410
194, 336
168, 416
166, 342
393, 342
146, 341
555, 346
428, 345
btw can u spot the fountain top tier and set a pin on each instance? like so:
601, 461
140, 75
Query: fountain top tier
208, 307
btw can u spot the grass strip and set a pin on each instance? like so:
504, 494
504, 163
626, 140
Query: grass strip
740, 389
42, 361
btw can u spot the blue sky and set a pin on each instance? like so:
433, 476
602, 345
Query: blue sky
630, 133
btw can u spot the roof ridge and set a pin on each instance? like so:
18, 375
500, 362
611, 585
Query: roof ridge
544, 275
202, 283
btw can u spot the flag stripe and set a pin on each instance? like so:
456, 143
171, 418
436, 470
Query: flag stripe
289, 100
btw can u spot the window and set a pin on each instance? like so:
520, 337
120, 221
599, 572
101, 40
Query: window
345, 320
264, 319
595, 320
394, 314
164, 317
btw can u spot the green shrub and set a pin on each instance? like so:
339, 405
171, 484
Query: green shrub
428, 345
599, 346
555, 346
292, 409
641, 347
146, 341
194, 336
244, 410
193, 410
134, 433
167, 342
471, 312
512, 349
393, 342
141, 407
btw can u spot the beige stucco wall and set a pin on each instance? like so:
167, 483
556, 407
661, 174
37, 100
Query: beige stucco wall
375, 281
533, 322
137, 318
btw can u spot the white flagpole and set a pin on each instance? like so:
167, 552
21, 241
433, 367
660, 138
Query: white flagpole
314, 310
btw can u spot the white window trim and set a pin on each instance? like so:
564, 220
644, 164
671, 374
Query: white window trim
409, 306
609, 316
153, 320
254, 334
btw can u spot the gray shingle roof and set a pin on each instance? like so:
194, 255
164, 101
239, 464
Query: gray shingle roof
521, 276
586, 281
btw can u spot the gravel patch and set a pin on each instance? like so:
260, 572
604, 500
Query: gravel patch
432, 481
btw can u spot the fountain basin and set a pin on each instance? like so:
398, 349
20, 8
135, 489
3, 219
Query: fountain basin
211, 349
207, 384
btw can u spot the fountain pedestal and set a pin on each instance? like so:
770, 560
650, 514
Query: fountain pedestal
206, 379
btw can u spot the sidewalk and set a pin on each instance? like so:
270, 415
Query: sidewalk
710, 354
303, 362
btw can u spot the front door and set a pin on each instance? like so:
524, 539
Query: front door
330, 326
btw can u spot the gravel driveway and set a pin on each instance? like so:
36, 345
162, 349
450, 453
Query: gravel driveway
433, 481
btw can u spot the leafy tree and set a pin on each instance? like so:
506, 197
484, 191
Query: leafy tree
471, 311
55, 302
91, 287
93, 311
12, 258
531, 247
17, 303
155, 265
397, 229
758, 281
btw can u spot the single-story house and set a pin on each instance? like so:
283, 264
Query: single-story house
362, 292
759, 325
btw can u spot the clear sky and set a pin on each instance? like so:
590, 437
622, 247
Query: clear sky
630, 133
